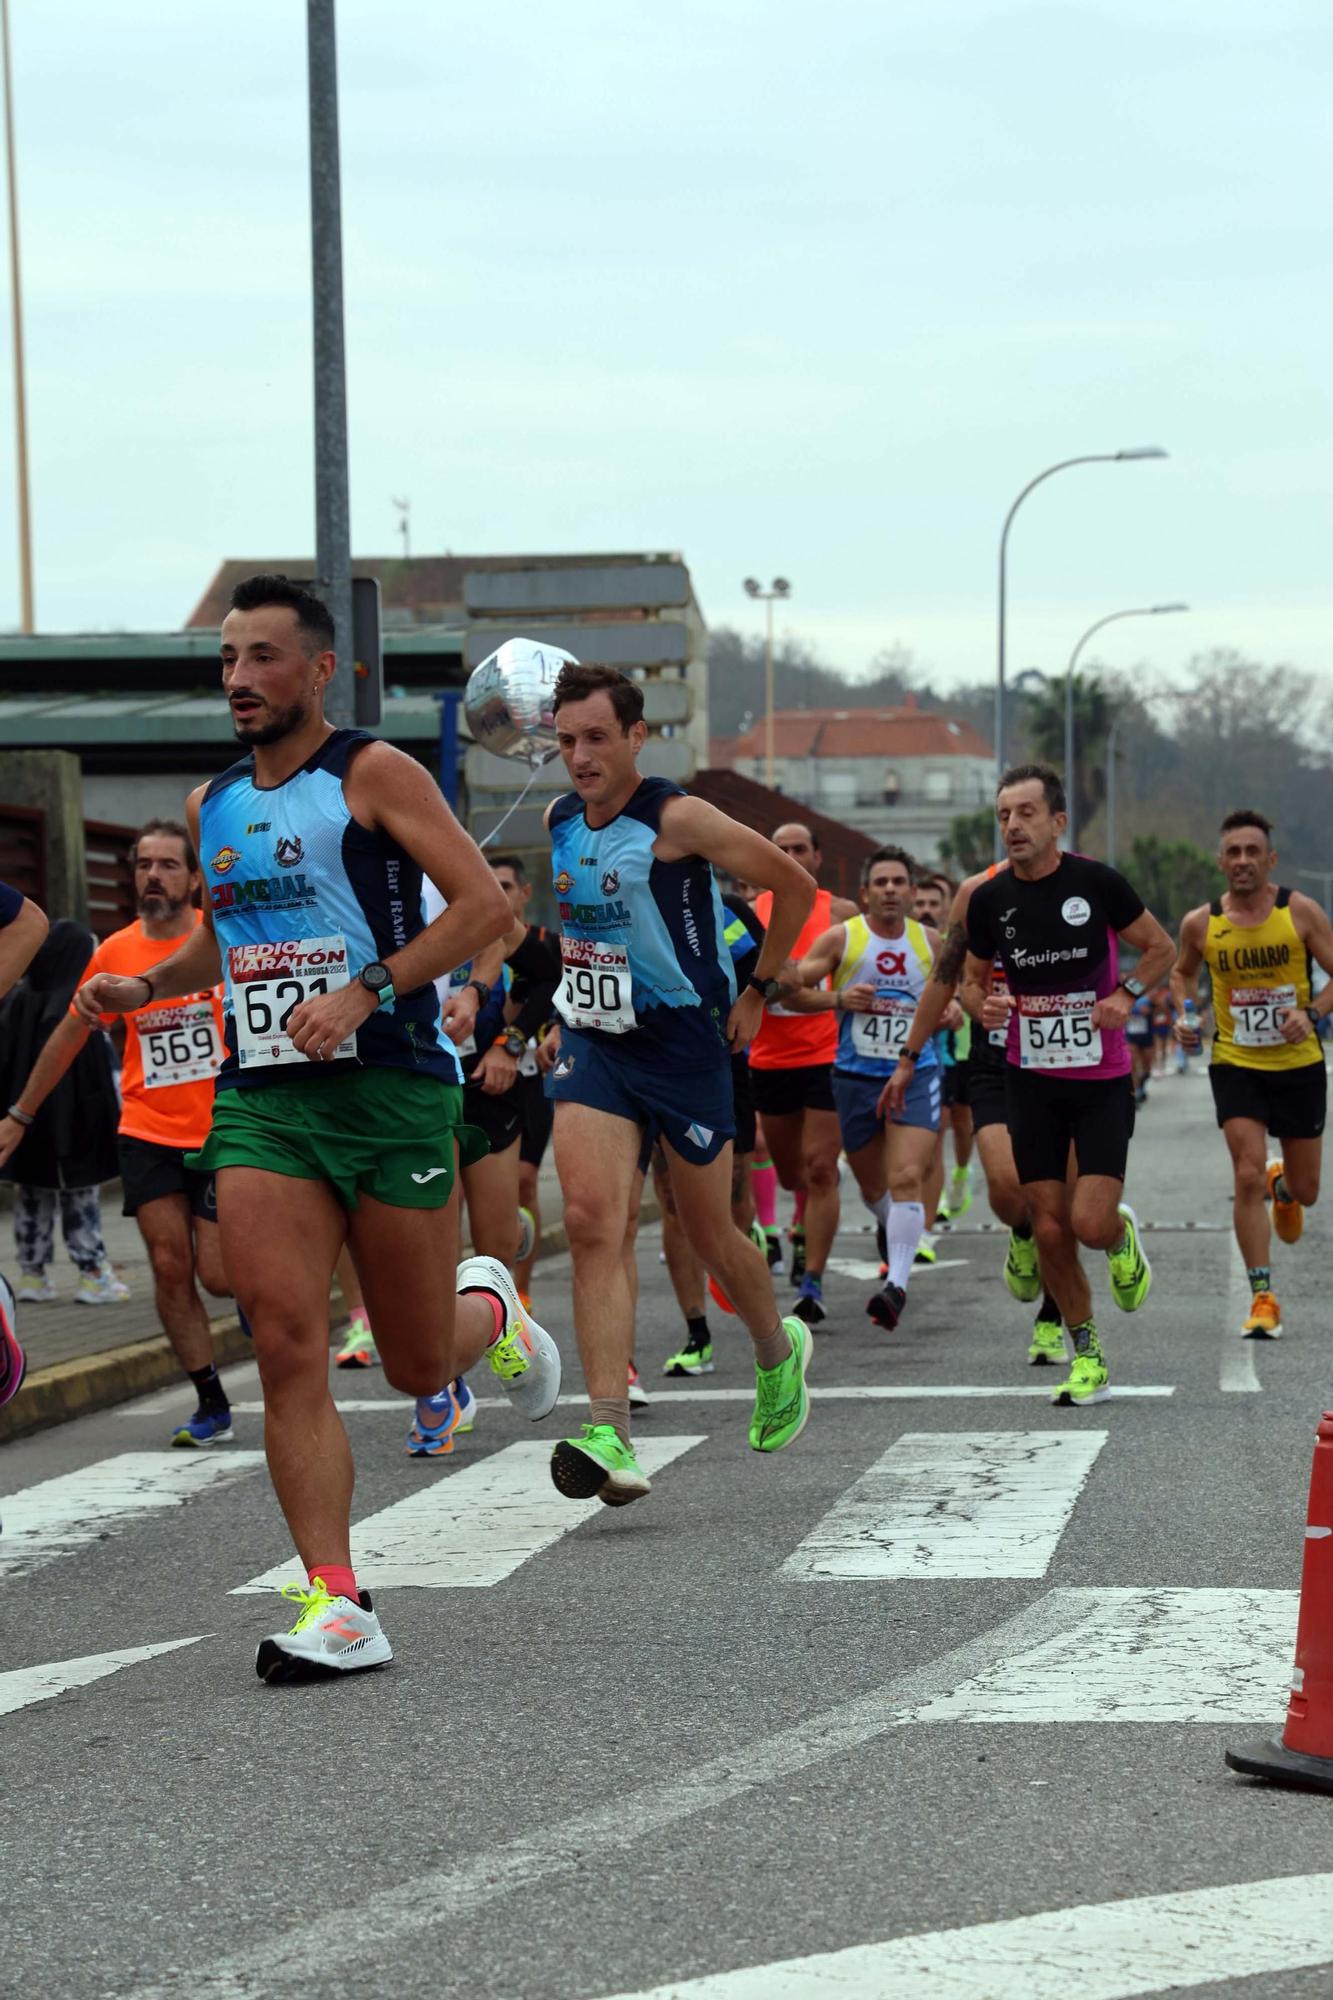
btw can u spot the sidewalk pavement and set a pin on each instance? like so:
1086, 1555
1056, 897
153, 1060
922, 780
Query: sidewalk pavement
83, 1358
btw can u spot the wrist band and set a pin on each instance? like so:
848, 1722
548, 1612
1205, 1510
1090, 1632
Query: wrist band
144, 980
20, 1116
909, 1055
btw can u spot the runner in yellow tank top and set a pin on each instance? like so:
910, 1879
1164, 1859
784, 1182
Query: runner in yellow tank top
1267, 1065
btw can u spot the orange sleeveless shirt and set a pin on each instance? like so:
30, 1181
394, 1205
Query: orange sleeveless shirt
796, 1041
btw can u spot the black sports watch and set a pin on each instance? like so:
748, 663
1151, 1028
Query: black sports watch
377, 979
1134, 987
770, 989
515, 1043
482, 989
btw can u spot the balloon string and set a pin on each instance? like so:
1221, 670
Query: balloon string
501, 824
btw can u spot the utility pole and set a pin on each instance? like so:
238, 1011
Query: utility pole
405, 526
26, 612
333, 538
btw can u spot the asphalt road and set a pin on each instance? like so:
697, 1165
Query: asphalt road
893, 1700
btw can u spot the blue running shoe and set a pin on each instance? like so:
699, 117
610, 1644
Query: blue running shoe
467, 1405
205, 1427
426, 1440
809, 1304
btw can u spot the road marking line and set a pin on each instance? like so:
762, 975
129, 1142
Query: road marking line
474, 1527
954, 1504
859, 1392
24, 1685
61, 1514
1238, 1371
855, 1267
280, 1960
1141, 1656
1100, 1951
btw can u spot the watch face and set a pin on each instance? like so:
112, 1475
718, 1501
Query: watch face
375, 977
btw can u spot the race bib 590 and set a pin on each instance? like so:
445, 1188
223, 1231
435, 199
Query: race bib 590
596, 991
269, 982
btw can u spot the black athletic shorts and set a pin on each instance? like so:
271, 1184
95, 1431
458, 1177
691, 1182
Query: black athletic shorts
780, 1092
538, 1113
986, 1096
1289, 1102
500, 1118
953, 1084
1048, 1114
742, 1093
148, 1171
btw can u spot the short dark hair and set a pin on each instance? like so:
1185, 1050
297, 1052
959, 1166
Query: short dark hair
313, 617
1246, 816
887, 854
577, 683
176, 831
509, 861
1052, 784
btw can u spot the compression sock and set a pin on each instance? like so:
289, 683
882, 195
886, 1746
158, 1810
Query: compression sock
697, 1330
774, 1348
207, 1381
336, 1578
907, 1219
613, 1410
1260, 1277
1084, 1339
764, 1181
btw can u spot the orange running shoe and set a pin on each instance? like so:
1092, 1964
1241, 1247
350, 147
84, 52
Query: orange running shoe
1265, 1320
1288, 1216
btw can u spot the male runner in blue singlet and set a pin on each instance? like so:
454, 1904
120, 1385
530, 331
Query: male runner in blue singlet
339, 1107
650, 1016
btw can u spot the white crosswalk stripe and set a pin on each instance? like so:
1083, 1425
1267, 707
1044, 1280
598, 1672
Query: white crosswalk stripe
954, 1504
22, 1686
473, 1527
59, 1515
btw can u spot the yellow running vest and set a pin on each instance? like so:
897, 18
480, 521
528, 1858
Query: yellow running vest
1255, 973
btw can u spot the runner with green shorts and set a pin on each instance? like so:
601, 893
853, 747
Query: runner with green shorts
339, 1110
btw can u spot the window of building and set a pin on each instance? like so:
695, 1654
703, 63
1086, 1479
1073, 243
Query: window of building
893, 790
939, 785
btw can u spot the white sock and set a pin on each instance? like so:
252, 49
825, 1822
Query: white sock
906, 1221
881, 1209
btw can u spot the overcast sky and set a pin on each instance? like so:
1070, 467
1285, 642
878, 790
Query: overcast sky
790, 288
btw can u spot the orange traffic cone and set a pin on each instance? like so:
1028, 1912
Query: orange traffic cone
1303, 1755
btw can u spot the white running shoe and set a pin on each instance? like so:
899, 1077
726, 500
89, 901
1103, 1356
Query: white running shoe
103, 1289
638, 1395
524, 1358
332, 1636
35, 1289
527, 1235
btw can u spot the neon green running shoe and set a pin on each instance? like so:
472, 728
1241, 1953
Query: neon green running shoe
690, 1360
1021, 1274
359, 1349
1047, 1343
1088, 1381
959, 1198
781, 1399
1131, 1273
597, 1465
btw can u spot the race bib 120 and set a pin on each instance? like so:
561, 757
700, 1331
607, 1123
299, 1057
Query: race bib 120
596, 991
179, 1044
1055, 1031
269, 982
1256, 1015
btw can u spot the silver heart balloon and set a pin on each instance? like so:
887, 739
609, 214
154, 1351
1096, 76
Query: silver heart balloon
508, 699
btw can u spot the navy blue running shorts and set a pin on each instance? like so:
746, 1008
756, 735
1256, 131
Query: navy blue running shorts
857, 1096
692, 1109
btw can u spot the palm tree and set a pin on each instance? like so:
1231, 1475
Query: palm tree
1045, 721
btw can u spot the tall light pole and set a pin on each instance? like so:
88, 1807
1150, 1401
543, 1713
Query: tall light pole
26, 613
1143, 611
1112, 736
333, 534
778, 588
1088, 458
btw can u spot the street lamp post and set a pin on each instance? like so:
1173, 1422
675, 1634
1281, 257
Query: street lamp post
333, 536
778, 588
26, 612
1143, 611
1112, 735
1088, 458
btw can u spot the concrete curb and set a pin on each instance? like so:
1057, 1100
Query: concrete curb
100, 1381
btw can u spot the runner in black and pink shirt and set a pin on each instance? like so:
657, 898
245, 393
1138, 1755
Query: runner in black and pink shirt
1055, 923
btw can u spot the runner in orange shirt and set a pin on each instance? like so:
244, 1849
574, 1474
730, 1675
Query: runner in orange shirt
791, 1071
172, 1050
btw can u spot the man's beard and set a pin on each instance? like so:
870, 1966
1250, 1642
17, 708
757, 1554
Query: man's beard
159, 907
284, 721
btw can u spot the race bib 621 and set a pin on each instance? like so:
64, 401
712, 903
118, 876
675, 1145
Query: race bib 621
269, 982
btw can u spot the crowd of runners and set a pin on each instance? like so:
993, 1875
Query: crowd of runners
346, 1047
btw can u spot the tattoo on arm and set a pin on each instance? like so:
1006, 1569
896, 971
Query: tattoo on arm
949, 964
